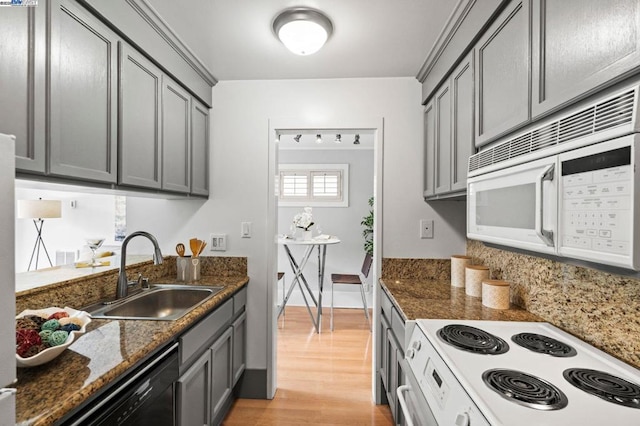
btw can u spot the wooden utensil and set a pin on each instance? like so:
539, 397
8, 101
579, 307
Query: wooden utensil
180, 249
194, 245
202, 246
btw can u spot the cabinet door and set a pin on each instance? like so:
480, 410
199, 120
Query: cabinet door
199, 148
429, 148
579, 45
443, 139
384, 351
239, 345
193, 393
502, 77
462, 145
83, 95
176, 140
22, 87
221, 373
140, 143
393, 374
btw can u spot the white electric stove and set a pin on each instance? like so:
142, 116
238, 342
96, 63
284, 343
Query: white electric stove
514, 373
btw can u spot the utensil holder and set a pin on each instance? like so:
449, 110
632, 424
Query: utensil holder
182, 268
474, 275
495, 294
195, 269
458, 263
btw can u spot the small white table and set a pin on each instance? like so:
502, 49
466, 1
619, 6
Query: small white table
298, 277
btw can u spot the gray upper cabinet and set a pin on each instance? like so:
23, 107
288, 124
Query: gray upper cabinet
140, 140
579, 45
23, 76
503, 73
442, 155
176, 140
83, 93
462, 109
429, 148
199, 148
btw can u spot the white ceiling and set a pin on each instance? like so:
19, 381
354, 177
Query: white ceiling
372, 38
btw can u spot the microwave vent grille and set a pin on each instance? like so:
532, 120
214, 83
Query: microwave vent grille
602, 116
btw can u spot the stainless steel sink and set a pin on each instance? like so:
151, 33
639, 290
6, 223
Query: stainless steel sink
161, 302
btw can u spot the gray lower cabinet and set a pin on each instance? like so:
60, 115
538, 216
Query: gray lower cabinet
449, 134
239, 346
199, 148
503, 61
193, 393
221, 375
83, 95
140, 147
391, 333
579, 45
176, 137
23, 76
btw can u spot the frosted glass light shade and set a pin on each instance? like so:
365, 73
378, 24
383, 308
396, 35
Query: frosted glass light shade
303, 31
39, 209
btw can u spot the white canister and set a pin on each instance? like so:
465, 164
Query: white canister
495, 294
474, 275
458, 263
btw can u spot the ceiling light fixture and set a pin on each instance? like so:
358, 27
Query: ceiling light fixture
338, 138
357, 140
318, 138
297, 138
302, 30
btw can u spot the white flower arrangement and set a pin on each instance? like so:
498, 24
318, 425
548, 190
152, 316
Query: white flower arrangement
303, 220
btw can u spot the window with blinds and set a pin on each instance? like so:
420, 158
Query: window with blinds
313, 185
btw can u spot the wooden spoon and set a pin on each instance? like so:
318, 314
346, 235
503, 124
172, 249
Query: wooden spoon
180, 249
194, 244
202, 246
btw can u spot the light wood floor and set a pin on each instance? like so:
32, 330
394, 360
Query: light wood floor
323, 379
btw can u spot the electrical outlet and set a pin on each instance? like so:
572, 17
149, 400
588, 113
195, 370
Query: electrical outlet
426, 228
218, 242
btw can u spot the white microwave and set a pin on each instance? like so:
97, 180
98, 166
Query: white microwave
575, 198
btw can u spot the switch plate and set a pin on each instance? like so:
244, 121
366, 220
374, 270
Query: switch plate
245, 230
426, 228
218, 242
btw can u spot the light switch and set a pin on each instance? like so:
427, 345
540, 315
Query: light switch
245, 230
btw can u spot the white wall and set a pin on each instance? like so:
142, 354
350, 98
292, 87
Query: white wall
239, 176
343, 222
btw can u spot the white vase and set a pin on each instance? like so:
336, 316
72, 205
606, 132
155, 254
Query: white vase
307, 235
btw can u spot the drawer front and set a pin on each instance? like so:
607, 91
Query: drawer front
239, 301
196, 339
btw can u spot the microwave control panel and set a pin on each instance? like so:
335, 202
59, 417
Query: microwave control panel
596, 200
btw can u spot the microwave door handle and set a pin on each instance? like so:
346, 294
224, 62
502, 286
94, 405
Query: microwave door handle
545, 235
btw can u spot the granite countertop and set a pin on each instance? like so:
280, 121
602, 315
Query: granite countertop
109, 348
437, 299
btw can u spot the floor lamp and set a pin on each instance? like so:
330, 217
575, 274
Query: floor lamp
38, 210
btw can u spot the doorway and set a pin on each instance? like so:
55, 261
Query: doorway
279, 131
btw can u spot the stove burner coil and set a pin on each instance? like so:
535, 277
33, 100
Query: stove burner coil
472, 339
605, 386
524, 389
543, 345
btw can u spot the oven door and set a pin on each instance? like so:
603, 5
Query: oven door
515, 207
415, 410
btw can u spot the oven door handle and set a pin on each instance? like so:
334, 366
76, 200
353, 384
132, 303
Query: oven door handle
403, 403
545, 235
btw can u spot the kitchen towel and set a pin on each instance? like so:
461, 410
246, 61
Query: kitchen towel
458, 263
474, 275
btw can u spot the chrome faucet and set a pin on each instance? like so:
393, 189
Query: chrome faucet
123, 282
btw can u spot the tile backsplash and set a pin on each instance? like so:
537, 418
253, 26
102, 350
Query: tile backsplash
598, 307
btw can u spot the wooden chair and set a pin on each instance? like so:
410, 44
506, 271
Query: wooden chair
354, 280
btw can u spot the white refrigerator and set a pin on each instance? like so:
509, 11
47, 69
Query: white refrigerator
7, 281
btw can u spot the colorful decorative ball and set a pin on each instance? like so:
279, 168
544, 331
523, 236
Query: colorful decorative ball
58, 315
27, 324
45, 334
37, 319
58, 337
52, 324
30, 337
34, 350
70, 327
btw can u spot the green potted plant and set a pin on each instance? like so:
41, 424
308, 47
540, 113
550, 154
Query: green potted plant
367, 232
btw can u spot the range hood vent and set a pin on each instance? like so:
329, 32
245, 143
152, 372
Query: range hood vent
615, 113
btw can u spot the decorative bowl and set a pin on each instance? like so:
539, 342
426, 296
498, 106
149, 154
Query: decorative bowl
52, 352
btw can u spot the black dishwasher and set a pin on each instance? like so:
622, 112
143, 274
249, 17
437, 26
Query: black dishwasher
147, 397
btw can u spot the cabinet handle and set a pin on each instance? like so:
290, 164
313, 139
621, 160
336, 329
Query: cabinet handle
545, 235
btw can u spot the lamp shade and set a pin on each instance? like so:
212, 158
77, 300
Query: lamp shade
302, 30
39, 209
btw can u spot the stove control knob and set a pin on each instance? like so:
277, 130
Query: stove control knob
463, 419
410, 354
417, 345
